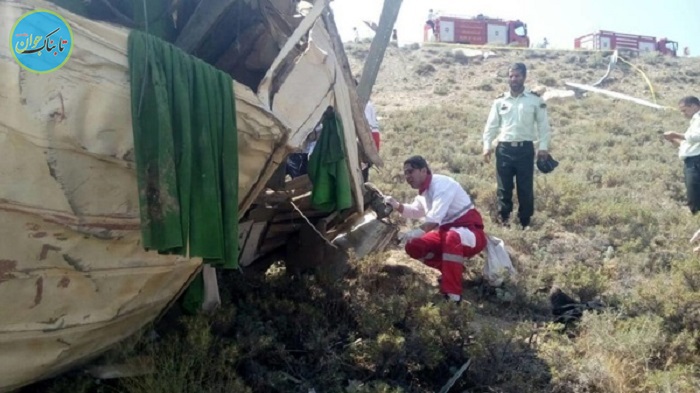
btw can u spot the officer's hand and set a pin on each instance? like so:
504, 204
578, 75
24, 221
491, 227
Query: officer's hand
671, 136
487, 155
542, 154
390, 200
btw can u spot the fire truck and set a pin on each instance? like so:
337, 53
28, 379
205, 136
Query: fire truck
609, 40
479, 30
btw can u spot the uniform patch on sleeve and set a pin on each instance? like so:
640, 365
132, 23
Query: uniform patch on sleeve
543, 105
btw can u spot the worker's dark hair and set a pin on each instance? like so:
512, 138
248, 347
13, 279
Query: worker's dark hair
520, 67
689, 101
417, 162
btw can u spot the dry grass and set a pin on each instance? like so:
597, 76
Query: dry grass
610, 224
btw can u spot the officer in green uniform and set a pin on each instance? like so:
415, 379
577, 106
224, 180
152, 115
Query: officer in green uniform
517, 120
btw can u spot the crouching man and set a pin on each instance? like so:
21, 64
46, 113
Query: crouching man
453, 228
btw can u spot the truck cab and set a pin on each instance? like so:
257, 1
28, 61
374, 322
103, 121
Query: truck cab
667, 47
517, 34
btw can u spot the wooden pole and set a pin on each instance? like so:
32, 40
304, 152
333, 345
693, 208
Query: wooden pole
390, 13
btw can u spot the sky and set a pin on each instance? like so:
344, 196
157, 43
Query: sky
560, 21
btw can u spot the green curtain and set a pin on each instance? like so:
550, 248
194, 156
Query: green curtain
328, 167
186, 148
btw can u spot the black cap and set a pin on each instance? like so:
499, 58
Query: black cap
547, 165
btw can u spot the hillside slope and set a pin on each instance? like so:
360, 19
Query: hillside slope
610, 221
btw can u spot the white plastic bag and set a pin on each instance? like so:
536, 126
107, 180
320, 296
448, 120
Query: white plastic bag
498, 265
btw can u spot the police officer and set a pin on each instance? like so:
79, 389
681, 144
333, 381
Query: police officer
689, 149
517, 119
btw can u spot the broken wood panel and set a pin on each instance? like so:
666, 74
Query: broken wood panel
239, 49
261, 214
205, 16
243, 232
343, 226
302, 202
278, 229
364, 133
347, 112
338, 222
299, 182
270, 197
318, 64
302, 115
277, 181
272, 244
366, 235
323, 224
265, 92
298, 191
277, 158
275, 22
251, 246
242, 16
294, 215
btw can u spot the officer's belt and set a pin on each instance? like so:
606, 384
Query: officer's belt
516, 144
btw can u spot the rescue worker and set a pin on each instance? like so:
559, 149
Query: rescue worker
453, 228
689, 149
517, 119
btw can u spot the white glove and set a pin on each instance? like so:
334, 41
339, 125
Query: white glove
412, 234
694, 239
391, 201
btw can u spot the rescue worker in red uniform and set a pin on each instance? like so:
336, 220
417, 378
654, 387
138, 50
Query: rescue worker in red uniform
453, 229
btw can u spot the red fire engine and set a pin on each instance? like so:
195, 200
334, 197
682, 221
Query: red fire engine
608, 40
478, 30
